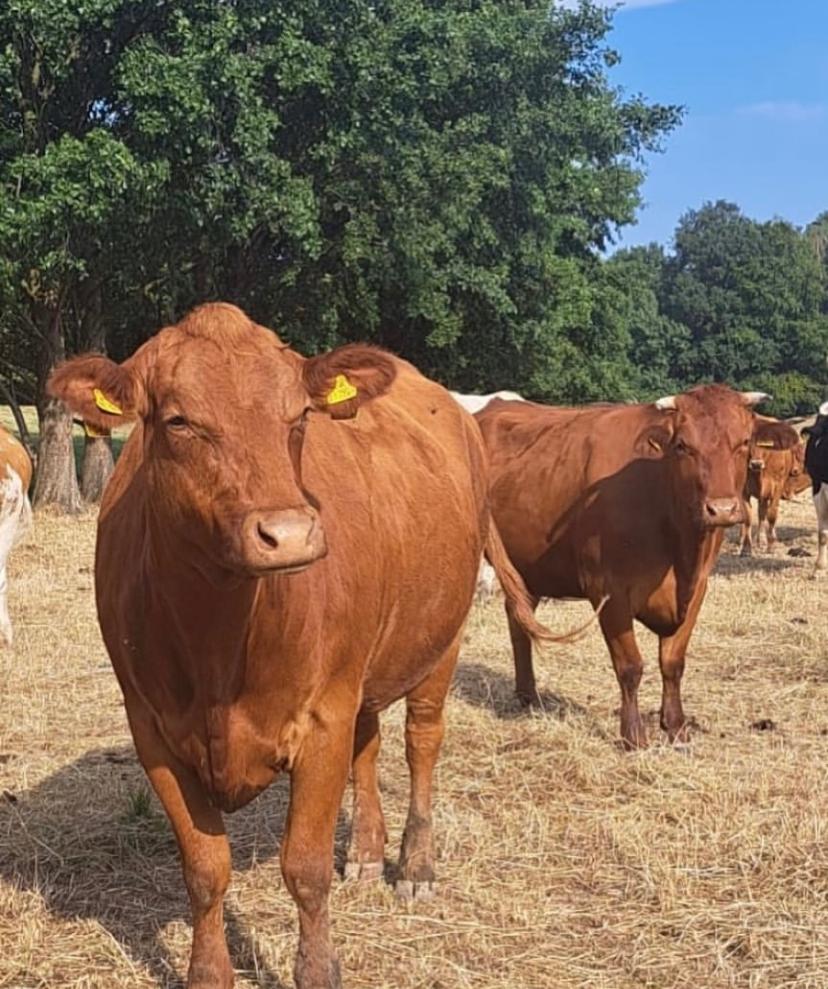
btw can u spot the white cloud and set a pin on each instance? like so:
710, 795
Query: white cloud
786, 111
625, 4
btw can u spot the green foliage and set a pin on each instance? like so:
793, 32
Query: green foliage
751, 295
438, 177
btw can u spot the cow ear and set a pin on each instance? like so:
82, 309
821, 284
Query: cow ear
774, 435
652, 442
102, 393
344, 379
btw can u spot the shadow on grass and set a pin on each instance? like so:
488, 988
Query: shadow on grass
91, 843
732, 565
481, 686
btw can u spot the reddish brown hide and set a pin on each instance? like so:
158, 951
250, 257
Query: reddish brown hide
274, 569
627, 501
776, 470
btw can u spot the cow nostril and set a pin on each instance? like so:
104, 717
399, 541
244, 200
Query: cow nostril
711, 510
267, 537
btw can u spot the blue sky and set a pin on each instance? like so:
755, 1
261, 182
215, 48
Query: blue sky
753, 75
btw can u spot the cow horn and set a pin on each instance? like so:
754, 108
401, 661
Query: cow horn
755, 397
668, 402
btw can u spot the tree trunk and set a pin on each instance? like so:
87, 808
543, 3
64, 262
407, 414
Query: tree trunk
97, 450
97, 466
56, 484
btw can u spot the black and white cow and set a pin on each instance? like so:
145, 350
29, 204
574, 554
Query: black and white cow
816, 464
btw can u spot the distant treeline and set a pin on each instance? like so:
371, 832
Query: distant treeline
734, 300
441, 178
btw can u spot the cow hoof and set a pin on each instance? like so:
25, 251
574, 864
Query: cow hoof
363, 872
407, 889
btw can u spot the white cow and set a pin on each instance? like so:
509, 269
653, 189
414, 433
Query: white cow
15, 513
486, 580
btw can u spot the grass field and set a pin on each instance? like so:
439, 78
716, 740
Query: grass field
30, 416
562, 862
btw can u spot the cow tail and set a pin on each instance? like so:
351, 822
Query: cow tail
517, 596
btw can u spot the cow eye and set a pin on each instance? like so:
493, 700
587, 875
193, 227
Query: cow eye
176, 422
681, 446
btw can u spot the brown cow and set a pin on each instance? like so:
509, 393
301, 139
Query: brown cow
15, 513
261, 592
627, 501
776, 470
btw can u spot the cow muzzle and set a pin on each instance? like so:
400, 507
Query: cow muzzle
722, 511
287, 541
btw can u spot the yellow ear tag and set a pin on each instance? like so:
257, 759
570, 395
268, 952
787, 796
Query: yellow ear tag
342, 390
766, 444
92, 432
105, 404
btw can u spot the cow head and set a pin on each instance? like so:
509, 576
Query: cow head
224, 405
704, 437
777, 449
798, 478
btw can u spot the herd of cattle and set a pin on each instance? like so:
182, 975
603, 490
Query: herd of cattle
277, 511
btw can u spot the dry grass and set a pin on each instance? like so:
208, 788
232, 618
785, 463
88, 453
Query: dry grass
563, 862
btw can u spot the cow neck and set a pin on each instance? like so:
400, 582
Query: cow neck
692, 558
210, 619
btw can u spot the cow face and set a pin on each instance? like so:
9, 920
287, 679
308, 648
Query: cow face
224, 406
704, 437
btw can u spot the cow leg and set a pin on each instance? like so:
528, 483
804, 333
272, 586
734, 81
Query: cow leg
525, 687
821, 506
773, 512
366, 850
423, 737
205, 853
10, 500
616, 624
762, 534
671, 653
746, 544
318, 782
6, 634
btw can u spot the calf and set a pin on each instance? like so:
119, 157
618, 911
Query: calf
775, 471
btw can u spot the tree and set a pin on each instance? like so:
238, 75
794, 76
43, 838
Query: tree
659, 347
67, 182
751, 295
